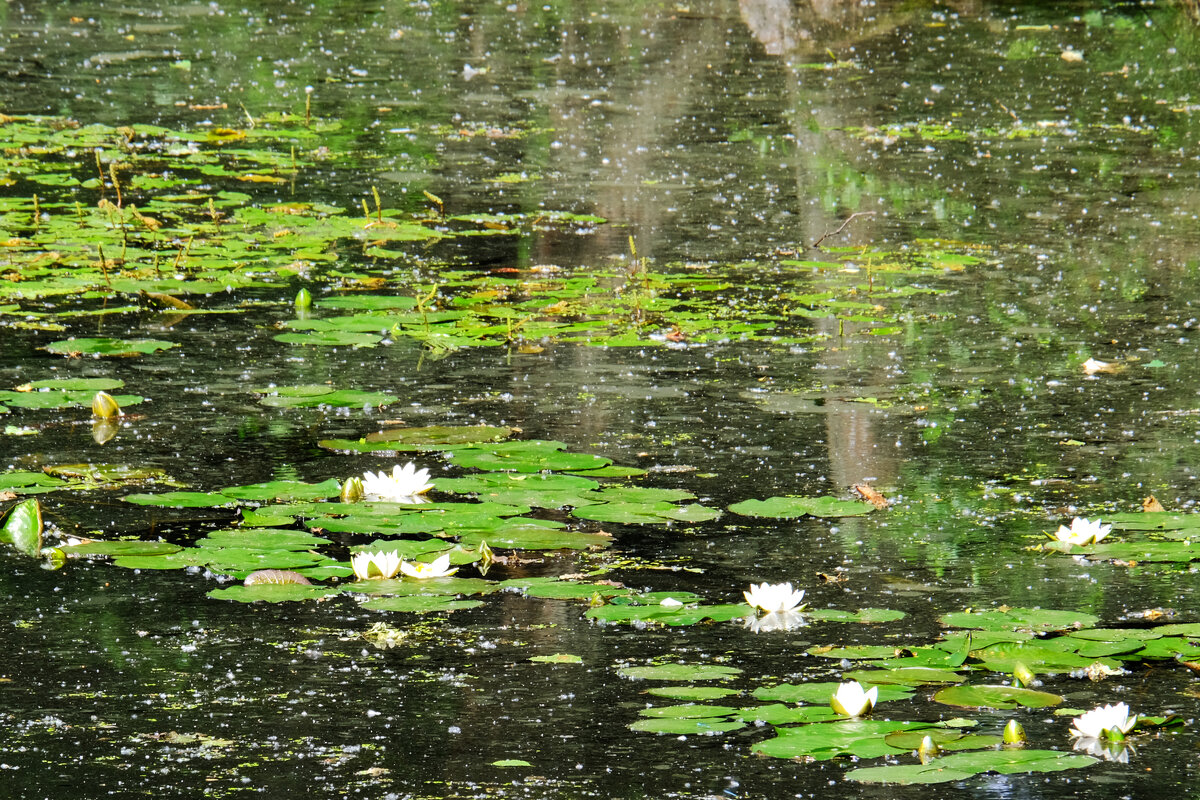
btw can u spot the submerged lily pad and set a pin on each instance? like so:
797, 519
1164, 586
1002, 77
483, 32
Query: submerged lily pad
312, 396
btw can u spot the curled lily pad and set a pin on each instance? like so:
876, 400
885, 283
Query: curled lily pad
22, 527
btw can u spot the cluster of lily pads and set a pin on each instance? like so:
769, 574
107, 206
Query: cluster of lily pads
822, 720
161, 216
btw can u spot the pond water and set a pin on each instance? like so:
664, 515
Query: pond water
733, 252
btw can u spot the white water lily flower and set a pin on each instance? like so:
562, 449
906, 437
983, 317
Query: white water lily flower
369, 565
404, 485
1082, 531
774, 597
852, 700
440, 568
1100, 722
670, 602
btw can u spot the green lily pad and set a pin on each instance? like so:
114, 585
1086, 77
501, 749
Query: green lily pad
688, 711
262, 539
946, 739
273, 593
904, 676
26, 481
1041, 657
667, 615
513, 536
58, 399
856, 652
687, 727
443, 435
104, 346
420, 603
284, 491
865, 615
524, 456
995, 697
511, 762
333, 338
791, 507
1035, 619
780, 714
963, 766
570, 590
123, 548
314, 395
657, 513
864, 738
680, 672
181, 560
108, 473
691, 692
78, 384
181, 499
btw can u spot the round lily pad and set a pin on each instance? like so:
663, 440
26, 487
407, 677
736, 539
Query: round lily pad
104, 346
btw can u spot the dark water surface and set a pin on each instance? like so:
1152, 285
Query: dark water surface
702, 132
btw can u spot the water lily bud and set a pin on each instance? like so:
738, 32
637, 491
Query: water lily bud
928, 750
352, 490
486, 557
303, 299
105, 406
1022, 675
1014, 732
